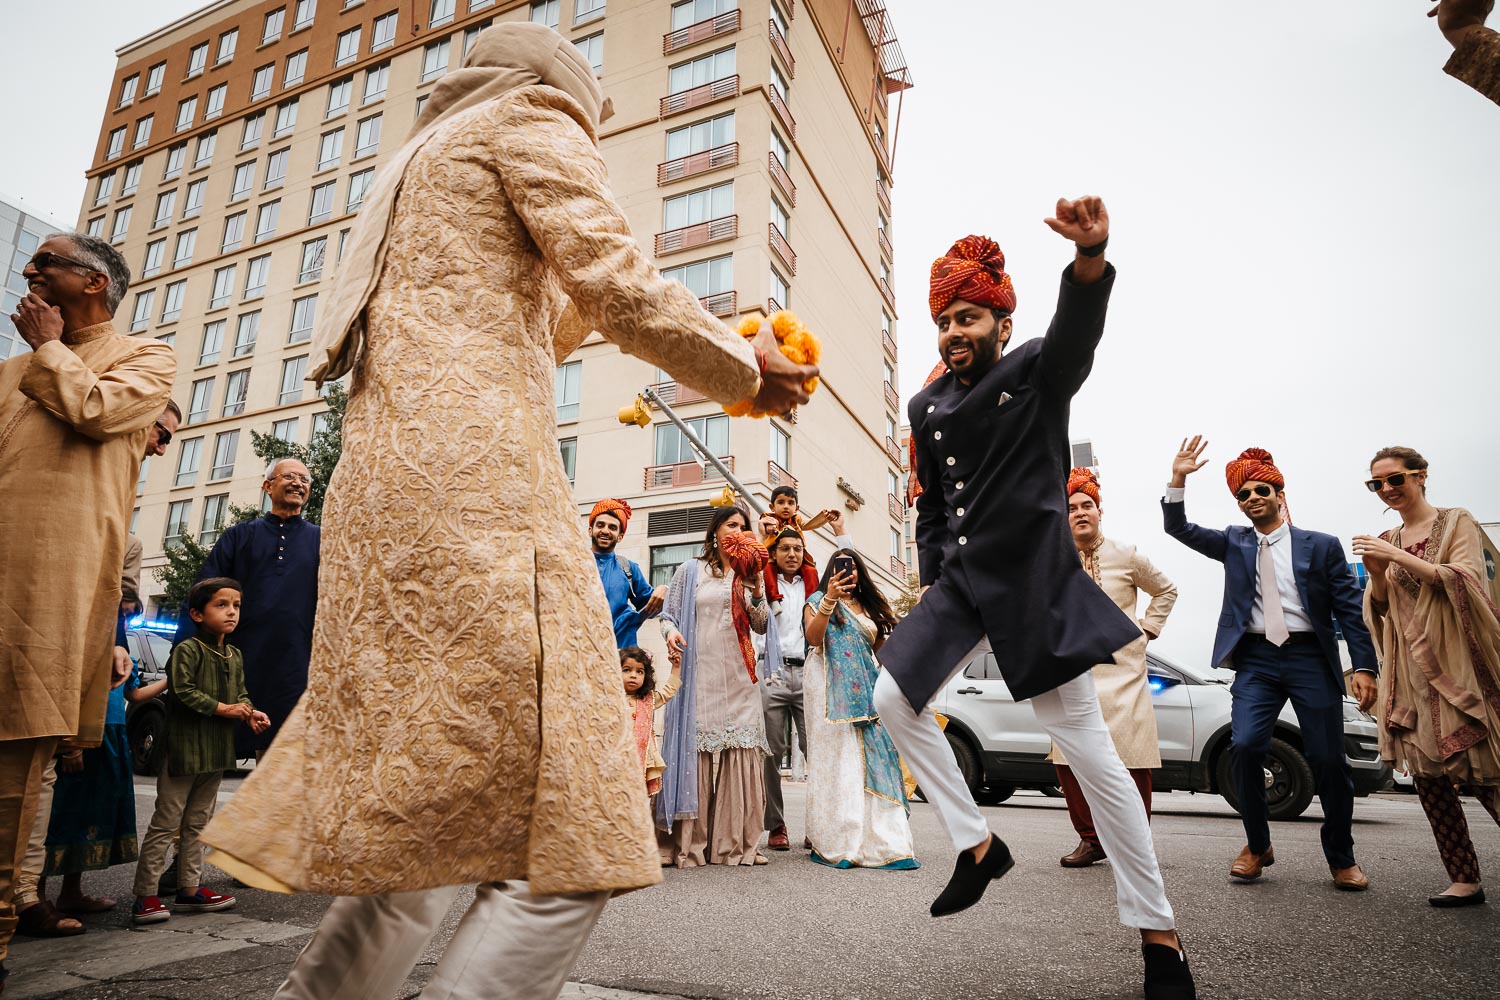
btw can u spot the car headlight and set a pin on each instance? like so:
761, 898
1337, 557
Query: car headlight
1353, 713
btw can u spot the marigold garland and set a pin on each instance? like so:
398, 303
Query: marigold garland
796, 342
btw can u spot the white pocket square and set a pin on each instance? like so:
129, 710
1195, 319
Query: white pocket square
1004, 398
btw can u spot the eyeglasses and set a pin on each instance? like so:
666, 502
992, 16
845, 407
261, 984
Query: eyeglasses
1259, 491
293, 477
163, 436
1397, 479
47, 259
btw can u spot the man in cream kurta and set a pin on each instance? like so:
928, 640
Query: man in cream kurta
1124, 695
74, 416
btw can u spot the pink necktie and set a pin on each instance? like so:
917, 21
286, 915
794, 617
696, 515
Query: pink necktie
1270, 595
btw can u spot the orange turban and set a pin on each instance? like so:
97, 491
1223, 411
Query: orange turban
1253, 463
972, 270
913, 487
1082, 480
619, 508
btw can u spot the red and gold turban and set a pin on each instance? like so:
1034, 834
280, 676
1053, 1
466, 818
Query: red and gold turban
1083, 480
1253, 463
913, 487
618, 508
972, 270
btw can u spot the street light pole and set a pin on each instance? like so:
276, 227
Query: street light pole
651, 396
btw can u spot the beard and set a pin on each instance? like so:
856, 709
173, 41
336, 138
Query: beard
604, 543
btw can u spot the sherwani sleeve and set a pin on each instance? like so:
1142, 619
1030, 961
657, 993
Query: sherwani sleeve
557, 183
1477, 62
1162, 590
122, 400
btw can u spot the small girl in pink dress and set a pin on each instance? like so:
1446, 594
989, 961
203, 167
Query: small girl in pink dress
644, 699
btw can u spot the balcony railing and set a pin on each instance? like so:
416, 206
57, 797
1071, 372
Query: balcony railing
677, 394
885, 290
898, 512
898, 568
688, 237
778, 105
885, 245
697, 97
892, 400
662, 477
722, 304
883, 155
889, 343
779, 45
883, 196
893, 449
772, 306
715, 27
697, 163
783, 179
777, 476
783, 249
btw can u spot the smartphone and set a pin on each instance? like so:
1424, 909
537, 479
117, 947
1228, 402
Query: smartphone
843, 564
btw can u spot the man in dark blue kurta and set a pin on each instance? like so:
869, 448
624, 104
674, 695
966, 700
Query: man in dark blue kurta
631, 597
275, 559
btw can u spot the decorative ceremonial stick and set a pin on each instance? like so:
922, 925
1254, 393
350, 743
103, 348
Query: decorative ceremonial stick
636, 413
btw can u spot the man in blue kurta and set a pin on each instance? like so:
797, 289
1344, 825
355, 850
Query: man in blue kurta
275, 559
631, 597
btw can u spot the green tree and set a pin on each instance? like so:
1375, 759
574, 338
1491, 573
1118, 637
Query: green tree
179, 573
907, 598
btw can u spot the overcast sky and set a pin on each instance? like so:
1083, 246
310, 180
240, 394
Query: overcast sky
1304, 218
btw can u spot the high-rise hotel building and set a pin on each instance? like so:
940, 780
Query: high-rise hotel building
749, 148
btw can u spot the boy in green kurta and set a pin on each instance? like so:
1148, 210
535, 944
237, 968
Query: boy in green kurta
205, 699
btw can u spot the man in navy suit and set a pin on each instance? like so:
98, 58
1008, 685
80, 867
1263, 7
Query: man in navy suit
1283, 588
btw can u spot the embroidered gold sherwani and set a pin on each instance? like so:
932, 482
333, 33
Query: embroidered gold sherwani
1124, 695
1477, 63
74, 416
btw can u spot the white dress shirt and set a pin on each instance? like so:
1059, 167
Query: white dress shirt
788, 618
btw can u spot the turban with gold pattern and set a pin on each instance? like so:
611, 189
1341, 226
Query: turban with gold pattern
1083, 480
617, 508
1256, 464
972, 270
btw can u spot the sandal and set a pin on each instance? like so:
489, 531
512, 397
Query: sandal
86, 904
43, 920
761, 859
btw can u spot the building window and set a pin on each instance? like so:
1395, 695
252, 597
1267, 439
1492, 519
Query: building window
202, 400
234, 232
548, 12
375, 83
700, 136
197, 59
348, 47
127, 90
276, 168
330, 149
704, 69
286, 118
285, 430
672, 445
274, 21
343, 241
479, 5
292, 372
116, 143
320, 206
225, 445
95, 227
471, 35
778, 146
171, 306
166, 204
781, 292
187, 110
204, 154
132, 178
193, 203
367, 137
304, 313
359, 184
214, 509
694, 11
121, 226
182, 254
176, 157
435, 60
779, 82
154, 77
296, 68
260, 84
143, 131
313, 252
254, 126
213, 342
569, 378
585, 11
187, 462
227, 44
306, 11
244, 180
780, 219
422, 103
255, 276
223, 287
265, 220
592, 48
569, 449
140, 318
178, 514
441, 13
698, 206
338, 96
383, 32
156, 251
140, 483
666, 558
247, 331
781, 446
705, 277
236, 388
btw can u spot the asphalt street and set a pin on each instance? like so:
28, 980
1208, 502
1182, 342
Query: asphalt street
793, 929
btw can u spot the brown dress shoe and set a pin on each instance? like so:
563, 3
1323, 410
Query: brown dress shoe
1086, 853
778, 840
1248, 865
1351, 879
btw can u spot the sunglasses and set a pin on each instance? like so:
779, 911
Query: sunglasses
163, 436
47, 259
1254, 491
1396, 479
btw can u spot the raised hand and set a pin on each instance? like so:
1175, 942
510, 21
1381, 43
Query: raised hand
1187, 461
37, 321
1457, 18
781, 381
840, 586
1084, 221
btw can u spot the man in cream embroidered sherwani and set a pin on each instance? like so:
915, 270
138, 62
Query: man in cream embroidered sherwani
74, 416
463, 720
1124, 695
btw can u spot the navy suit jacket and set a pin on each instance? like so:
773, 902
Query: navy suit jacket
1324, 582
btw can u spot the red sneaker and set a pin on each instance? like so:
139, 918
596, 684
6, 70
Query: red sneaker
149, 910
203, 901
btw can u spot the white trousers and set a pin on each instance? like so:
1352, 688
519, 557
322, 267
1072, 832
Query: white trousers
509, 944
1070, 715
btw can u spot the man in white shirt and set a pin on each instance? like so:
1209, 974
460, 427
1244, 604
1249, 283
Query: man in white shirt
781, 695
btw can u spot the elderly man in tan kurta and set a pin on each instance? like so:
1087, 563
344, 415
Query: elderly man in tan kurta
74, 415
1124, 694
462, 721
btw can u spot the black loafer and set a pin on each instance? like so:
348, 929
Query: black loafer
1447, 902
971, 878
1167, 973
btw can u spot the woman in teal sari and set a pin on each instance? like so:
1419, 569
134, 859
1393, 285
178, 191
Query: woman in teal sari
856, 806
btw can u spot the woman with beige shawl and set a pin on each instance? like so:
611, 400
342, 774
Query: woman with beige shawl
462, 719
1430, 606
